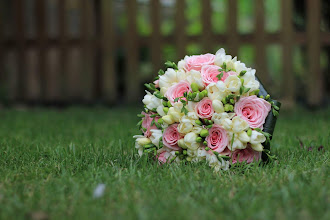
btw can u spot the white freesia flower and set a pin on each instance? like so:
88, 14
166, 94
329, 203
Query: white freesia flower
181, 64
190, 141
233, 83
250, 80
216, 164
257, 137
237, 144
227, 124
168, 119
257, 147
217, 106
194, 76
156, 135
143, 141
240, 67
160, 110
221, 57
137, 145
185, 125
239, 124
218, 117
182, 144
175, 114
151, 101
170, 77
243, 137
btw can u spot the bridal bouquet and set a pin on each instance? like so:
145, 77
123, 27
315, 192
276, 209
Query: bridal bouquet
206, 108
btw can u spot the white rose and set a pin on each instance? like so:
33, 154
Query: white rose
155, 137
226, 123
233, 83
218, 117
239, 124
190, 141
168, 119
151, 101
257, 137
217, 106
170, 77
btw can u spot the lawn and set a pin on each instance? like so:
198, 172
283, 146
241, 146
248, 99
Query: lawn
52, 160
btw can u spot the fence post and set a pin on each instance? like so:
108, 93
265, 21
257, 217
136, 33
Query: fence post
260, 42
207, 26
315, 76
180, 32
109, 79
156, 43
132, 78
63, 47
232, 28
20, 49
288, 82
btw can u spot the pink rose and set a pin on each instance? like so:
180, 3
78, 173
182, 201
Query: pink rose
197, 61
247, 154
146, 123
217, 139
177, 90
163, 157
204, 108
210, 72
254, 110
171, 137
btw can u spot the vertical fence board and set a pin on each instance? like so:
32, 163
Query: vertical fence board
180, 32
88, 51
41, 37
315, 76
63, 47
33, 84
207, 26
132, 80
233, 40
11, 69
260, 43
156, 42
3, 89
20, 47
288, 81
109, 79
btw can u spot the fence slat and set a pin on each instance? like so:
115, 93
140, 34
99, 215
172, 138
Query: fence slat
156, 43
180, 32
43, 75
232, 28
88, 51
261, 62
63, 39
207, 26
20, 48
315, 75
2, 52
132, 79
288, 82
109, 79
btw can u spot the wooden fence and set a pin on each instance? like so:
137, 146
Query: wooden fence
64, 68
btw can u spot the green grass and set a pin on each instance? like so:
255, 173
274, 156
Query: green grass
52, 160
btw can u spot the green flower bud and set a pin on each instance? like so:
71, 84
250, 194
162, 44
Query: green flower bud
205, 92
198, 122
189, 159
224, 101
201, 95
169, 104
194, 87
249, 132
204, 133
184, 152
209, 126
165, 109
160, 121
164, 104
267, 96
207, 149
148, 146
177, 152
210, 122
228, 107
193, 95
232, 101
261, 96
199, 139
231, 108
242, 81
205, 143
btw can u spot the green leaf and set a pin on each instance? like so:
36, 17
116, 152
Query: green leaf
220, 76
242, 73
161, 72
176, 99
246, 89
141, 115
